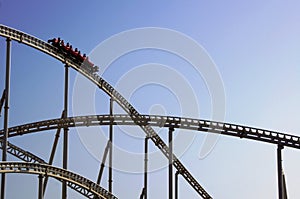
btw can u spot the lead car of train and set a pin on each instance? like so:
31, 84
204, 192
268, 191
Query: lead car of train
74, 54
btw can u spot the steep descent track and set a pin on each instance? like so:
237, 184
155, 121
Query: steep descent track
60, 174
42, 46
162, 121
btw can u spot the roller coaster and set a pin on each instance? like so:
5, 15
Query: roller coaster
32, 164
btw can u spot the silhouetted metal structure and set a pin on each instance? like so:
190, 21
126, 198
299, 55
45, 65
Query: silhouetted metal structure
66, 130
57, 173
279, 170
35, 165
284, 189
6, 108
110, 181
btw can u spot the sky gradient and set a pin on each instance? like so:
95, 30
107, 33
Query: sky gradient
255, 46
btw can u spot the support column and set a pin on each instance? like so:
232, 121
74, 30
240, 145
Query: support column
103, 162
6, 108
54, 146
279, 171
110, 147
66, 131
145, 190
142, 194
284, 188
176, 184
171, 130
40, 194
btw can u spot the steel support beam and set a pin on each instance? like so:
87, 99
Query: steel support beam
2, 100
142, 194
284, 192
66, 129
105, 86
53, 150
40, 194
279, 171
176, 184
103, 162
145, 190
111, 146
6, 108
171, 130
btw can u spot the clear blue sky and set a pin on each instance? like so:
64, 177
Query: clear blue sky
255, 46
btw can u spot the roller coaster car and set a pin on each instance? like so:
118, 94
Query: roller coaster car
67, 48
74, 54
90, 66
87, 62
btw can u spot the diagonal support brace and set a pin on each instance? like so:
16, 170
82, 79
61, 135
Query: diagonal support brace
53, 151
2, 100
103, 162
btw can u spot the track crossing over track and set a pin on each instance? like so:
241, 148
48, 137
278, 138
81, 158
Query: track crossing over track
31, 158
58, 173
26, 155
42, 46
235, 130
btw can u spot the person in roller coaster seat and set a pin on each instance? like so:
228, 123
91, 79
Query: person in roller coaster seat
74, 52
67, 47
57, 42
54, 41
80, 57
62, 43
51, 41
70, 49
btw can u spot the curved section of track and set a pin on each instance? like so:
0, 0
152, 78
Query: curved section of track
58, 173
42, 46
235, 130
22, 154
31, 158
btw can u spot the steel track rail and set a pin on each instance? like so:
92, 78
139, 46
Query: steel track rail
108, 89
22, 154
31, 158
55, 172
228, 129
12, 149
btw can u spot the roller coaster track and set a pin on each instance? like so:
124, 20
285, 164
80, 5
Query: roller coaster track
162, 121
31, 158
22, 154
58, 173
240, 131
42, 46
